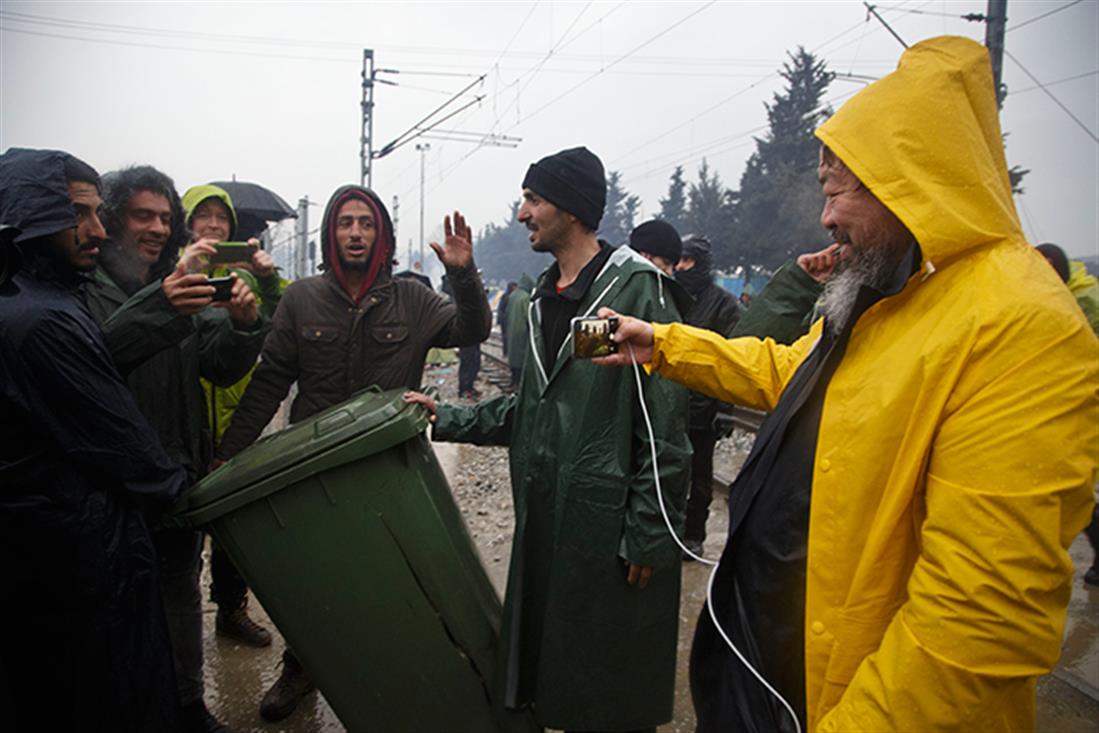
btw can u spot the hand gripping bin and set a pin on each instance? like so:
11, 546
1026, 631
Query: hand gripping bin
345, 528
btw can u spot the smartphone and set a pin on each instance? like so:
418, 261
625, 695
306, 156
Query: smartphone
223, 287
591, 337
232, 252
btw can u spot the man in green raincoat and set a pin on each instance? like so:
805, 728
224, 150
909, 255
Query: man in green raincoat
590, 619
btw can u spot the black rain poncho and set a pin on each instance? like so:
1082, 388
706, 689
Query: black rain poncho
83, 641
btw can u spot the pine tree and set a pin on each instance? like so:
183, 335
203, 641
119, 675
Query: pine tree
710, 207
778, 209
673, 209
620, 211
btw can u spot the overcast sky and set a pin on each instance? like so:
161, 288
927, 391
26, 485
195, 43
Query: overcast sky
271, 92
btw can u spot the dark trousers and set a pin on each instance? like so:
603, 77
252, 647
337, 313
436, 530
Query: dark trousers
469, 365
227, 587
702, 483
179, 555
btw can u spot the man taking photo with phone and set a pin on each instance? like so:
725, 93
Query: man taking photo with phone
165, 333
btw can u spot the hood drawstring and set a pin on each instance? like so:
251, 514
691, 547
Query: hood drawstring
534, 343
930, 267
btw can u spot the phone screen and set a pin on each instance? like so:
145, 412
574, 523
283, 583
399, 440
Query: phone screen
591, 337
223, 287
232, 252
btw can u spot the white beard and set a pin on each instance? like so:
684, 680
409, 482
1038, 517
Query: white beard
872, 267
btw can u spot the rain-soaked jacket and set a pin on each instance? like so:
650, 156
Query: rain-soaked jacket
518, 327
957, 445
334, 347
163, 355
1085, 288
83, 641
588, 650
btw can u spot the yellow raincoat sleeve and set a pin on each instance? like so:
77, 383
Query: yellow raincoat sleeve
744, 371
1007, 490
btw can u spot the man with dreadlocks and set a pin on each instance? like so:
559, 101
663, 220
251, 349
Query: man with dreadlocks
351, 327
164, 335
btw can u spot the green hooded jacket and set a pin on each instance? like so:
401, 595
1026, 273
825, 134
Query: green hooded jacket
517, 322
588, 650
784, 310
221, 402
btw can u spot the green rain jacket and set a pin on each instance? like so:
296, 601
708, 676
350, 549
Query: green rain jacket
783, 311
588, 650
221, 402
517, 322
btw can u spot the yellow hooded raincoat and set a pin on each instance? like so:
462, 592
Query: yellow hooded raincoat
959, 436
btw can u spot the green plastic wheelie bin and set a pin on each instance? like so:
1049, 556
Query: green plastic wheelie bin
345, 528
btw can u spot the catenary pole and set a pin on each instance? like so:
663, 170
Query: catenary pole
995, 22
366, 142
422, 148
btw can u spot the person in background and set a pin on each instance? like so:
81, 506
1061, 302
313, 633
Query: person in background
84, 643
518, 333
502, 315
714, 309
1085, 288
659, 243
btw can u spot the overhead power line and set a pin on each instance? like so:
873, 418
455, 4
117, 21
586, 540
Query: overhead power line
1053, 97
1043, 15
1074, 77
573, 88
618, 60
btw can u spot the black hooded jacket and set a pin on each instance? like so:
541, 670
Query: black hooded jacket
714, 309
334, 347
82, 633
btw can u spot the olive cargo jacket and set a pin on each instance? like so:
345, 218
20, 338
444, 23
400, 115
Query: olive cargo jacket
334, 348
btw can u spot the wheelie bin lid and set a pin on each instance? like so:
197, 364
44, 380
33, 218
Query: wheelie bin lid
368, 423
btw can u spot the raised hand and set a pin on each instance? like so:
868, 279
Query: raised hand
820, 265
457, 250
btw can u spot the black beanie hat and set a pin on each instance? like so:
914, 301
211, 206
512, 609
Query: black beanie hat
657, 238
573, 181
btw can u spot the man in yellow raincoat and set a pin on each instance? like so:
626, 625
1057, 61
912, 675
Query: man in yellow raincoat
897, 553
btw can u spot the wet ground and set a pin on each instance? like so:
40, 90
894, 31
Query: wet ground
237, 676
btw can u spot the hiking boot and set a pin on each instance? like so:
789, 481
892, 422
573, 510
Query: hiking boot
291, 686
237, 624
1091, 577
198, 719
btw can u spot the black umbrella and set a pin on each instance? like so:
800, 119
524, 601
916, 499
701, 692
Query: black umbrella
255, 206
